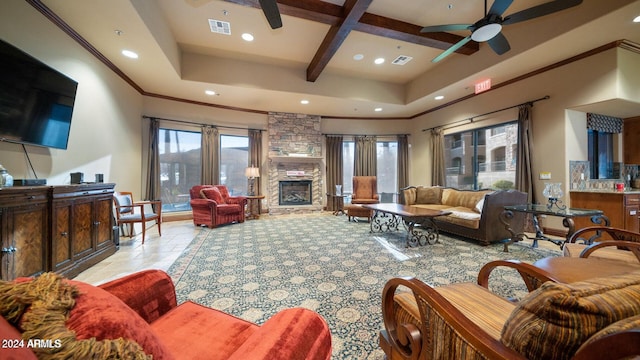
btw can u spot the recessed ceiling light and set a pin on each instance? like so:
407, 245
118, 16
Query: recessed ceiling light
304, 102
379, 61
637, 19
358, 57
377, 109
210, 92
247, 37
439, 97
129, 54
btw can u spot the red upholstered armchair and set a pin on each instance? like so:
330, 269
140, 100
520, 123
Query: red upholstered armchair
137, 316
212, 205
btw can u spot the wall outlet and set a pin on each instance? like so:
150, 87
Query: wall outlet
545, 176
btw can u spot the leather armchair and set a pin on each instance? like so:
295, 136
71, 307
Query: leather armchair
212, 206
365, 190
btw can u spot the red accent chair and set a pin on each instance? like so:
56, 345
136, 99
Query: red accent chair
140, 312
212, 206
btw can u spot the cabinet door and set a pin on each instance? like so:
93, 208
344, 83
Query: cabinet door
631, 220
61, 246
82, 227
25, 229
104, 221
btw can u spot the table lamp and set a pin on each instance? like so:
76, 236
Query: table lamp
252, 173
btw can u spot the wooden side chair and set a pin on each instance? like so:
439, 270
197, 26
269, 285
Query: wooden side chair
594, 242
129, 212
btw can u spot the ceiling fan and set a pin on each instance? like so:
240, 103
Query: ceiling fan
490, 26
271, 12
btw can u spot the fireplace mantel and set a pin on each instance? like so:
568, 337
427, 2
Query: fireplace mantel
295, 159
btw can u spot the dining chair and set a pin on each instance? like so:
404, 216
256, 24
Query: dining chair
129, 212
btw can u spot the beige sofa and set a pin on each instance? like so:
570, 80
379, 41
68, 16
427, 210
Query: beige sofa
474, 214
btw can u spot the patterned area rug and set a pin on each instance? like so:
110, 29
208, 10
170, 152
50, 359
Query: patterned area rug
332, 266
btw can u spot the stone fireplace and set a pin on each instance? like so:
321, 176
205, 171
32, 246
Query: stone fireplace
296, 166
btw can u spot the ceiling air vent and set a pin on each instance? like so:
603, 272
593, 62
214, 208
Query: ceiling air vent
220, 27
401, 60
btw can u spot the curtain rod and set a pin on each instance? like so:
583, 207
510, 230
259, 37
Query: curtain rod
470, 119
198, 124
364, 135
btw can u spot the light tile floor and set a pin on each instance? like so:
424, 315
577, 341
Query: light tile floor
157, 252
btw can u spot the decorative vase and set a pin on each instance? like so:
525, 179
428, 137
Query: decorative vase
338, 189
553, 192
5, 178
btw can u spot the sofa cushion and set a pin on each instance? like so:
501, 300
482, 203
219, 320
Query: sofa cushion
99, 314
428, 195
229, 209
554, 320
465, 198
409, 196
199, 326
213, 194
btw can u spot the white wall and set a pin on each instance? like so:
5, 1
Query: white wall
105, 129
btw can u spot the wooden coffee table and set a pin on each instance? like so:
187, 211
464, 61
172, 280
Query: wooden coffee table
421, 229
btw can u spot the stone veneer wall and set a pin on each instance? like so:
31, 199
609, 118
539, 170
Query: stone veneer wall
294, 134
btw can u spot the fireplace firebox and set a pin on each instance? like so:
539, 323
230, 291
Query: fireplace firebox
295, 192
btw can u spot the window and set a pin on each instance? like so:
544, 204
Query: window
234, 159
600, 149
482, 158
387, 164
179, 167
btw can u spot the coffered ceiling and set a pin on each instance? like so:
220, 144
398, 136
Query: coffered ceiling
314, 55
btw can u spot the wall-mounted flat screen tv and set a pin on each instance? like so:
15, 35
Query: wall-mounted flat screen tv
36, 101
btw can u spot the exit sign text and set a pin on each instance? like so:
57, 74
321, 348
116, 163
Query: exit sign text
483, 85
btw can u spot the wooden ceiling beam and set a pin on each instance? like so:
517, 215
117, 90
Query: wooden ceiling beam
353, 10
344, 19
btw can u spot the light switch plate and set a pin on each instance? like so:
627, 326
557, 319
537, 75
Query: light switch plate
545, 176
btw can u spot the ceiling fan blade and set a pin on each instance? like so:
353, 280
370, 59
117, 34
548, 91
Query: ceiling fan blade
452, 49
499, 7
540, 10
445, 28
271, 12
499, 44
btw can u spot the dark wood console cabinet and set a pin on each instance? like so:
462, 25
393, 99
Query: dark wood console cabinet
65, 229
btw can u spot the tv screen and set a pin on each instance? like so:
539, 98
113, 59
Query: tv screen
36, 101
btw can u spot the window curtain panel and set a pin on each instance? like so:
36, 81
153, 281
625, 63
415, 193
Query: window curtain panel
366, 156
255, 156
335, 161
209, 162
403, 161
437, 149
524, 171
153, 161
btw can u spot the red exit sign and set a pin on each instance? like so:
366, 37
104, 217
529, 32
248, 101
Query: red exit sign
483, 85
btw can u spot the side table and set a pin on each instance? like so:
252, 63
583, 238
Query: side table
338, 203
567, 215
253, 206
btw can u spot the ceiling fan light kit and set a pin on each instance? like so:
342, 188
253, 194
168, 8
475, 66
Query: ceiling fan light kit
489, 28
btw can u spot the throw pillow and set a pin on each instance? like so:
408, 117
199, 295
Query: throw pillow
409, 196
428, 195
554, 320
212, 194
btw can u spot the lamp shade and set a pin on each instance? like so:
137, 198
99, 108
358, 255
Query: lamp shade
252, 172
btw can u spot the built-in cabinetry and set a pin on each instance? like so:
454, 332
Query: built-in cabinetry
65, 229
622, 208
